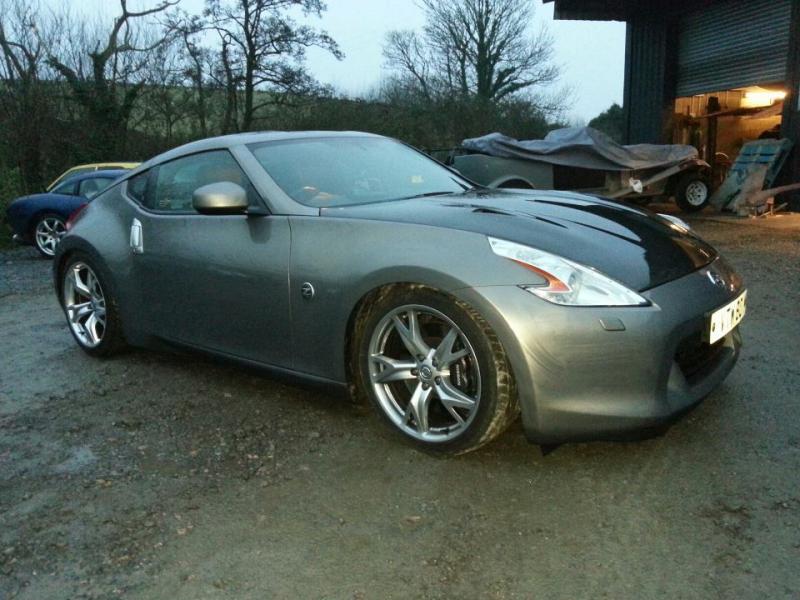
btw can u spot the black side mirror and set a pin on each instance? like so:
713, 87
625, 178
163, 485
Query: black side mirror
221, 198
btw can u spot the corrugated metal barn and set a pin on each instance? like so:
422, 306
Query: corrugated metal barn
714, 74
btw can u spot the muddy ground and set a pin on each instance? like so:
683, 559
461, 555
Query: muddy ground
160, 476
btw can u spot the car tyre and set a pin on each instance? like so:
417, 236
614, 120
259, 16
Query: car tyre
434, 370
47, 232
90, 307
692, 192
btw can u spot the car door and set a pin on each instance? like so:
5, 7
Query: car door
217, 282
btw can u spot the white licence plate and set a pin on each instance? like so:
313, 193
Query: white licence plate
725, 319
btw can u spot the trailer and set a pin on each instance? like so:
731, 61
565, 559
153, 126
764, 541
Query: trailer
586, 160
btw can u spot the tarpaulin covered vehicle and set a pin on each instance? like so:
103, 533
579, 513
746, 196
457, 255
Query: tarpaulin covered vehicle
584, 159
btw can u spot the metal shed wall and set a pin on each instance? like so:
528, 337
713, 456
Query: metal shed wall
733, 44
649, 80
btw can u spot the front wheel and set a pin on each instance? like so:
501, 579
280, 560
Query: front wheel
435, 371
91, 310
692, 193
47, 232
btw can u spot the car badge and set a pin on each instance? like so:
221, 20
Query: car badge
307, 290
716, 279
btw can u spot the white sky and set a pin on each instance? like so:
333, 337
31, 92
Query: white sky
591, 54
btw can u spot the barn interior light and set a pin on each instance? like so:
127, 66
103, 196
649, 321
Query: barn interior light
761, 97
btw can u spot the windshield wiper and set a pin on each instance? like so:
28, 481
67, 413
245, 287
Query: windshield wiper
427, 194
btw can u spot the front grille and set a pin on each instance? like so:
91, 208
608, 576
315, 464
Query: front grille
696, 358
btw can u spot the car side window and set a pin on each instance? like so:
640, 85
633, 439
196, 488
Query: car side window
70, 188
91, 187
174, 182
137, 186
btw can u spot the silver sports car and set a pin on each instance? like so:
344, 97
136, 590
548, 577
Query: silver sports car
353, 260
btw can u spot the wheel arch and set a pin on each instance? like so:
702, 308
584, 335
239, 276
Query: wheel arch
510, 181
465, 296
485, 326
701, 171
367, 298
104, 240
682, 186
67, 248
38, 212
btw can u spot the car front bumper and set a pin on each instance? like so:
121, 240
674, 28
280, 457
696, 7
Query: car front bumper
613, 373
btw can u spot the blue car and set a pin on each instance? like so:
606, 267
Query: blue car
41, 219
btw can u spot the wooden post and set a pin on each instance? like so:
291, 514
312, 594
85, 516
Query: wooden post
790, 127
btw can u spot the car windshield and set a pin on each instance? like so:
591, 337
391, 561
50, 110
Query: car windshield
91, 187
73, 172
342, 171
67, 187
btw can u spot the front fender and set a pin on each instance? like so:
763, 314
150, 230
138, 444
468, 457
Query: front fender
344, 260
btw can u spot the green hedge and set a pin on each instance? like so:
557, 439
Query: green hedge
11, 187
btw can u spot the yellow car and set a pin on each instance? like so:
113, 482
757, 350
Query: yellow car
80, 169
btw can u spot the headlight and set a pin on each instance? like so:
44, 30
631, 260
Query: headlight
567, 282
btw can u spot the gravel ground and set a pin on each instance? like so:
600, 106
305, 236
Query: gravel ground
162, 476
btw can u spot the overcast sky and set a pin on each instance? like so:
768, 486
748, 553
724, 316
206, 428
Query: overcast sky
591, 54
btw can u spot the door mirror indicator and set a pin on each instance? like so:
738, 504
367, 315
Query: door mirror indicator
221, 198
257, 211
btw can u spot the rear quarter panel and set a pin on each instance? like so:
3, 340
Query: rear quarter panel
103, 232
487, 170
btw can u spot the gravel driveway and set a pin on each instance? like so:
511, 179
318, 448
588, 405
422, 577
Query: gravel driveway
162, 476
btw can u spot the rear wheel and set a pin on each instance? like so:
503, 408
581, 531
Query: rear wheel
91, 311
435, 371
47, 232
692, 193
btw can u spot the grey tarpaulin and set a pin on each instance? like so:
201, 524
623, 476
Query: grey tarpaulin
582, 147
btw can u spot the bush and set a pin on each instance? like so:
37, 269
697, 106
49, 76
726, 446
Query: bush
11, 186
611, 122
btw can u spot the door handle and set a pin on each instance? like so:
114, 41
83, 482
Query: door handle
137, 239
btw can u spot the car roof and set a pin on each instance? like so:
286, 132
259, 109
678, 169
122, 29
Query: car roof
122, 164
105, 174
240, 139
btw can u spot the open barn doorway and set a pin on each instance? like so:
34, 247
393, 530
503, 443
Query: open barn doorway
720, 123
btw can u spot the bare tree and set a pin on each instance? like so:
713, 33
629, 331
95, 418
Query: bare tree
197, 72
474, 48
107, 71
263, 49
228, 76
24, 103
170, 97
199, 63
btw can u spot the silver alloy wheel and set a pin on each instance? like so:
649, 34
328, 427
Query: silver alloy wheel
49, 232
425, 373
697, 193
84, 304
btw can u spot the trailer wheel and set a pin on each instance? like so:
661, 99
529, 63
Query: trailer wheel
692, 192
